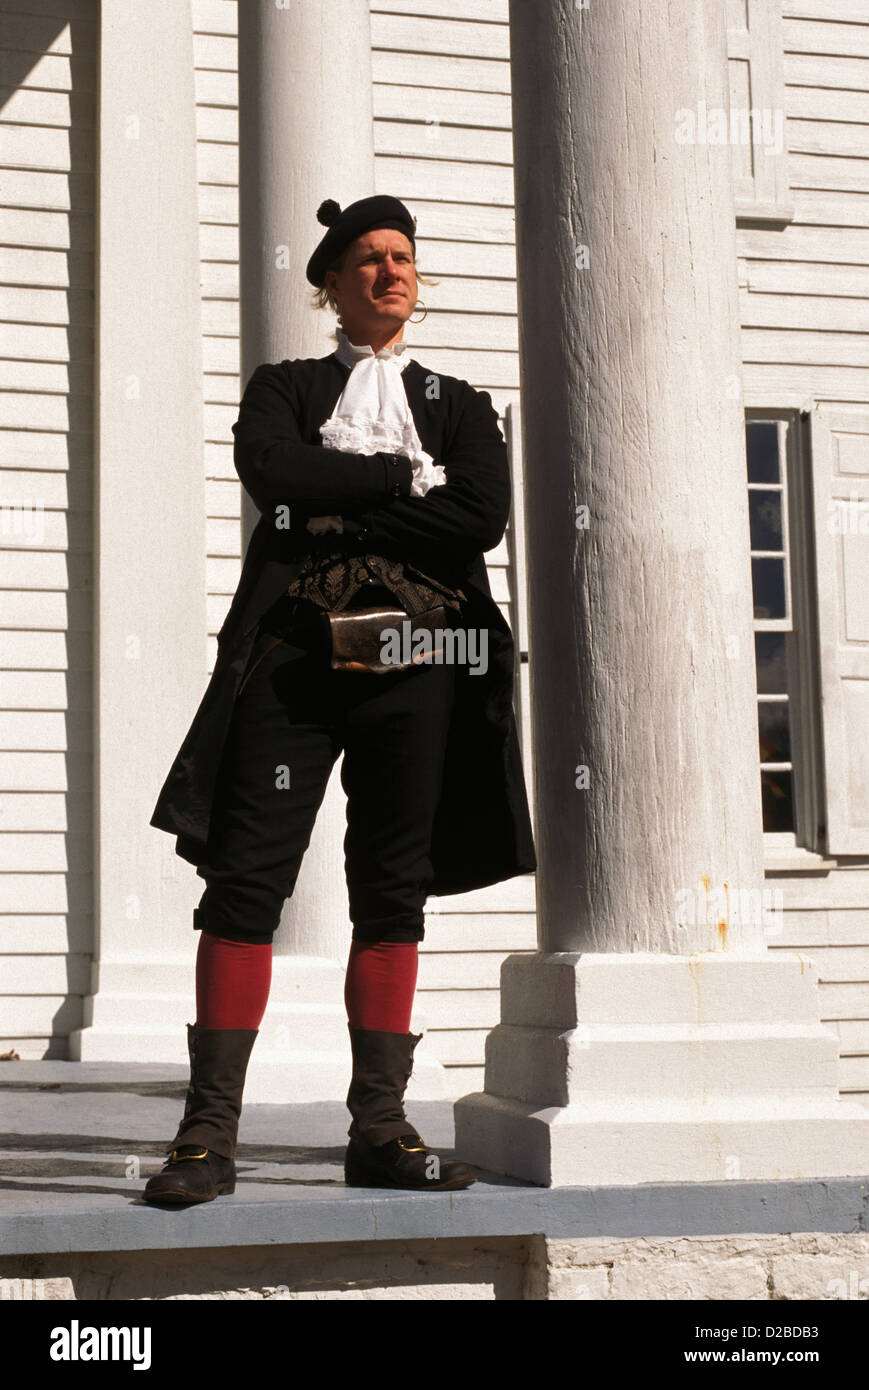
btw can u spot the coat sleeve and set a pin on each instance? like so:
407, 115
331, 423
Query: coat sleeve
277, 468
464, 516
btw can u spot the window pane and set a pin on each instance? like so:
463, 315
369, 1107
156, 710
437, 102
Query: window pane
764, 515
761, 448
773, 722
770, 651
768, 582
777, 801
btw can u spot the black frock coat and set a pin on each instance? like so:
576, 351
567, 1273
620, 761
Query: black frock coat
482, 831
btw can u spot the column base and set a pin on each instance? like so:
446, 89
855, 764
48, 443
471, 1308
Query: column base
626, 1069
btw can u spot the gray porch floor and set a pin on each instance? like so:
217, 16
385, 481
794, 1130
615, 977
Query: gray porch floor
78, 1141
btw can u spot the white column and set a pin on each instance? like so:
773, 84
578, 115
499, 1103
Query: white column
149, 577
653, 1036
305, 134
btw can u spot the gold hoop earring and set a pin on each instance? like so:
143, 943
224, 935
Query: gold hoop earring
415, 307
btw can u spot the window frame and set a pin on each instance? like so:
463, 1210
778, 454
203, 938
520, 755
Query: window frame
804, 693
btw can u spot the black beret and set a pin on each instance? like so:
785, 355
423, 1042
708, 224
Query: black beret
357, 219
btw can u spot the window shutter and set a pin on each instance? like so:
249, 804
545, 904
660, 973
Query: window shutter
756, 69
840, 472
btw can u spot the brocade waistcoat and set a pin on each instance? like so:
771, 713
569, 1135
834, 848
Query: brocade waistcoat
331, 580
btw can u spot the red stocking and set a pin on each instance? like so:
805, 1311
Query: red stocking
380, 984
232, 982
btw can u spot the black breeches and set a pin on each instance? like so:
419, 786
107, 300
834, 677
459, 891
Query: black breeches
291, 721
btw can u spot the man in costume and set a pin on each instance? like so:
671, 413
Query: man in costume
380, 486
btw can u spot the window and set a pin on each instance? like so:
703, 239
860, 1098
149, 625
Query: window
779, 506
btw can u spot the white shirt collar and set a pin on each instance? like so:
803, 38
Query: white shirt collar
373, 415
349, 353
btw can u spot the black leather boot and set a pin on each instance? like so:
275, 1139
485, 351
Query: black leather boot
385, 1149
201, 1164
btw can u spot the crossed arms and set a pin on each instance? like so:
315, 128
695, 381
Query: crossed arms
451, 524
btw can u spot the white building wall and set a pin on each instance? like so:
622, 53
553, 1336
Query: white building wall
805, 286
804, 290
47, 154
443, 144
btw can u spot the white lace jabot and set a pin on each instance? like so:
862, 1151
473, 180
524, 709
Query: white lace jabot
350, 354
373, 415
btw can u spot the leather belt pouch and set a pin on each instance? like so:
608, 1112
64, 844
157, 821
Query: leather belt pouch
356, 640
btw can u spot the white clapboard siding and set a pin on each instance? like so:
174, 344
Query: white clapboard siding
433, 70
222, 388
806, 313
844, 999
45, 935
454, 1046
222, 498
854, 1077
804, 303
841, 209
840, 964
215, 58
411, 34
810, 171
465, 110
806, 285
826, 34
796, 386
485, 190
805, 348
853, 1035
838, 894
41, 1016
473, 968
813, 931
836, 940
823, 70
431, 139
47, 164
475, 931
498, 929
488, 11
460, 1008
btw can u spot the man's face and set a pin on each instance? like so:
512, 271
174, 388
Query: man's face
377, 287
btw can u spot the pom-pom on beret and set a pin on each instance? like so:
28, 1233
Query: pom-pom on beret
343, 227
